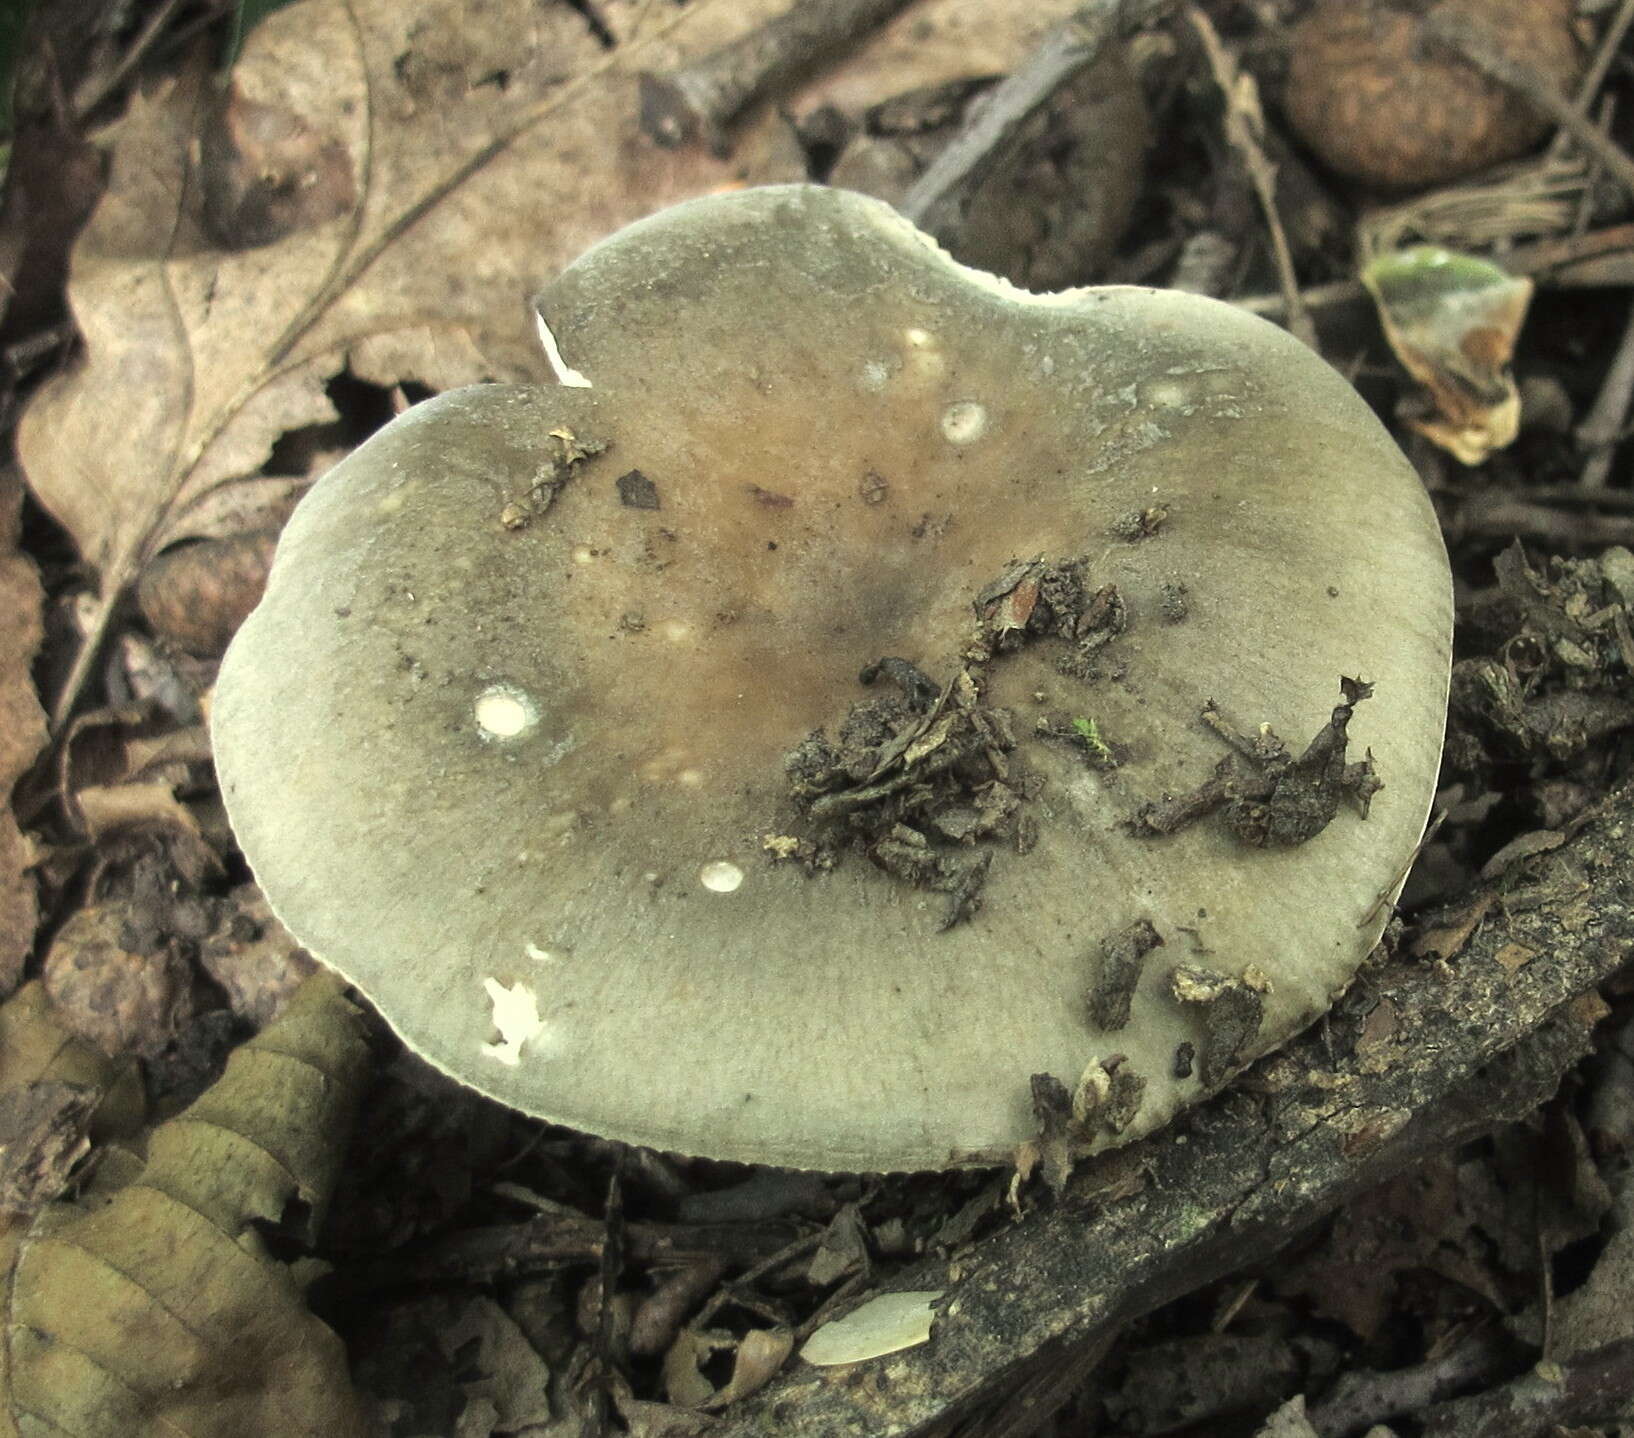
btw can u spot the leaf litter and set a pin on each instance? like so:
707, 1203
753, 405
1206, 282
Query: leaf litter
22, 729
480, 168
1513, 690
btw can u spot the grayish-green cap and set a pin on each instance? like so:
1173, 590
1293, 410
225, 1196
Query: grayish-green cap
504, 740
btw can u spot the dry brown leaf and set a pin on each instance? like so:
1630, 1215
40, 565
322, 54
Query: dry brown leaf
931, 44
1446, 939
761, 1352
134, 1316
37, 1047
242, 507
487, 144
194, 596
22, 728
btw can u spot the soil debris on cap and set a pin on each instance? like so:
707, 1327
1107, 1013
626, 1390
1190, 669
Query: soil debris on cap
1107, 1096
1139, 524
1105, 1100
1123, 956
1271, 799
636, 491
549, 478
1232, 1010
916, 778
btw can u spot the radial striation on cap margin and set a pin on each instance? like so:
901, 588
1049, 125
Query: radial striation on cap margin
506, 737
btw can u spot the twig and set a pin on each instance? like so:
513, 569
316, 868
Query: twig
1477, 1045
1596, 74
1603, 426
1317, 297
97, 89
1548, 261
483, 1255
1362, 1398
1555, 496
1590, 1389
1245, 129
798, 1248
699, 100
1539, 524
1454, 29
1553, 261
936, 201
638, 22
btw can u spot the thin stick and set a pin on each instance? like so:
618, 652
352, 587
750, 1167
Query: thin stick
1540, 259
699, 100
1595, 77
94, 91
936, 201
1244, 128
1454, 29
1602, 427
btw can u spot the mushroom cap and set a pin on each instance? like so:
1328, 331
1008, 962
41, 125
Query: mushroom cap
509, 767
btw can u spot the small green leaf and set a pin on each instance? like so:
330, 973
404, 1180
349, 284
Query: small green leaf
1088, 731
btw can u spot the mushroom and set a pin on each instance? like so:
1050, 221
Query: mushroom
523, 738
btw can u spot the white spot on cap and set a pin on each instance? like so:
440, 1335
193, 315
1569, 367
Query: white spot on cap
720, 877
963, 422
886, 1324
503, 711
1168, 394
924, 359
671, 764
516, 1016
583, 554
876, 374
558, 825
538, 955
565, 374
675, 630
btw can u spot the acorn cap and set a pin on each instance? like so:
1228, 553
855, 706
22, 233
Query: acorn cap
506, 740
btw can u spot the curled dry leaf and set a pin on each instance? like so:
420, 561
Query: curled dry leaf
756, 1357
38, 1050
121, 771
761, 1352
134, 1318
1452, 320
196, 595
22, 727
469, 194
931, 44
